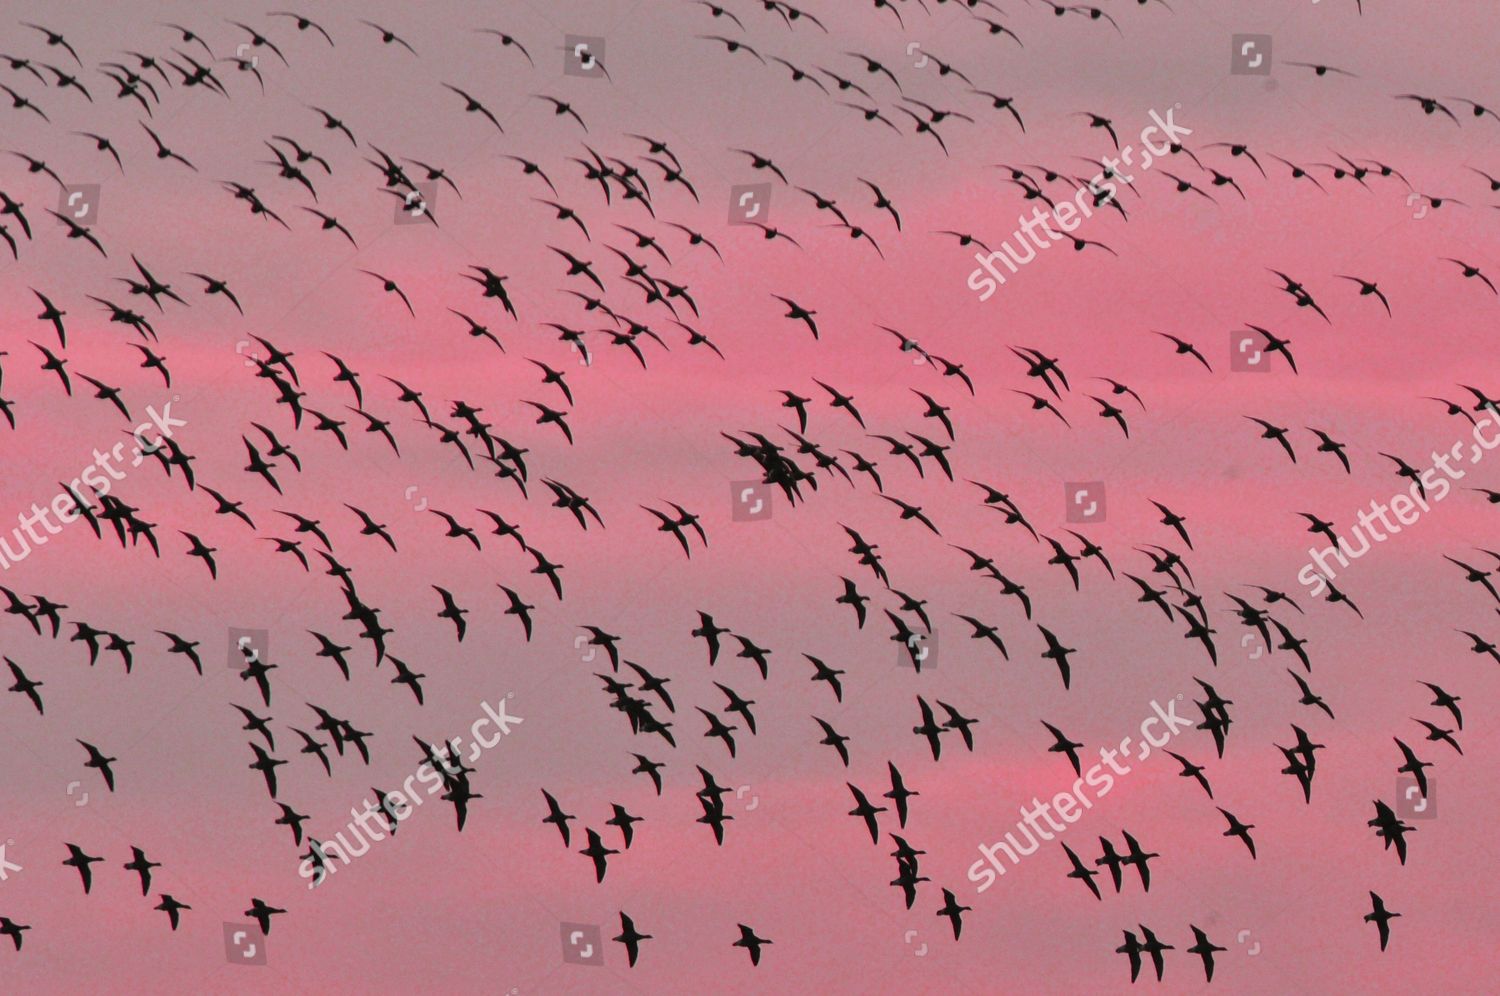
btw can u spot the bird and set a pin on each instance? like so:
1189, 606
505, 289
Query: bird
1081, 872
266, 765
930, 729
1174, 521
749, 941
1381, 918
390, 287
1238, 829
142, 866
1444, 700
822, 672
557, 817
1414, 767
12, 929
1154, 948
1435, 733
1132, 950
631, 938
1270, 431
101, 763
25, 685
261, 913
1308, 698
1057, 653
624, 821
1140, 859
1184, 348
1205, 949
389, 37
1390, 829
832, 738
953, 911
81, 861
172, 908
1062, 745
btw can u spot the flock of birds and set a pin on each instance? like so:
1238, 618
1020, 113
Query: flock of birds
304, 412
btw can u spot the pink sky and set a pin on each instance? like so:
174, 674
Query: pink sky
480, 911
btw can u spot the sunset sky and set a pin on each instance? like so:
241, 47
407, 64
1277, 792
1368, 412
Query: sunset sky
434, 910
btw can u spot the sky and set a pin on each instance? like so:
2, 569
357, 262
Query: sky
485, 910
